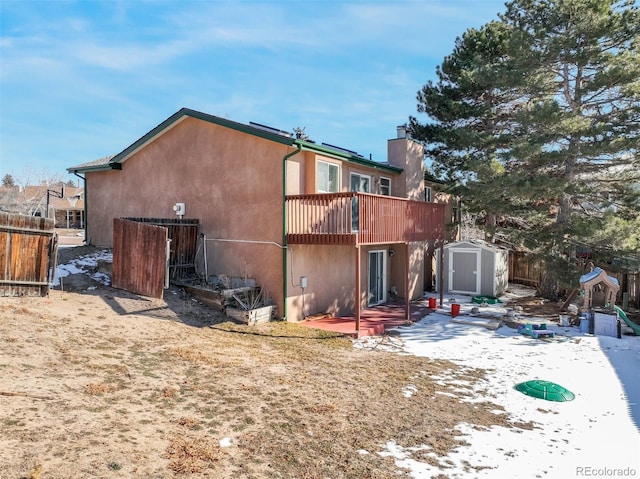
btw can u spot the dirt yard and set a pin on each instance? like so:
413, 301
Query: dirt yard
98, 382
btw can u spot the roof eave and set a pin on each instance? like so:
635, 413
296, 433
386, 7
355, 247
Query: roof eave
181, 115
90, 168
116, 161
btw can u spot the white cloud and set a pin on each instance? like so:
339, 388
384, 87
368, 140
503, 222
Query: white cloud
97, 75
129, 56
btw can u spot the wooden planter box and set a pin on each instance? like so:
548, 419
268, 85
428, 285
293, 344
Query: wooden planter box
252, 316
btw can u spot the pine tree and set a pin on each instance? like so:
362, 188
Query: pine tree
467, 107
7, 180
556, 159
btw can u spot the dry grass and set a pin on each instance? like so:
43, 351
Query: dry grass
293, 401
191, 355
36, 473
18, 310
98, 389
188, 422
188, 455
169, 393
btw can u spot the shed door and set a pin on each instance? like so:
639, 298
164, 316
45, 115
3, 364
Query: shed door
464, 271
140, 257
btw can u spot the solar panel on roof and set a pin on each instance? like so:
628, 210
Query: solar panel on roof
270, 129
342, 149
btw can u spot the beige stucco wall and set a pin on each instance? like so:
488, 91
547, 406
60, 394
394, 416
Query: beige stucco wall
229, 180
408, 155
310, 167
331, 277
232, 182
330, 272
398, 275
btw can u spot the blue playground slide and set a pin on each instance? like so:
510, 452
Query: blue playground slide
631, 324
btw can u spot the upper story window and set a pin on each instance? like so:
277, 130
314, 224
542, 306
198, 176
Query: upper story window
428, 195
385, 186
360, 183
327, 177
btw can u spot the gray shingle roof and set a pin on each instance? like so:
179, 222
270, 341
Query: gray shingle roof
99, 162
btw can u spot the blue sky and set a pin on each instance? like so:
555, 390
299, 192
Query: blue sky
80, 80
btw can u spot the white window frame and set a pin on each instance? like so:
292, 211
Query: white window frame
388, 180
329, 165
428, 194
383, 274
360, 175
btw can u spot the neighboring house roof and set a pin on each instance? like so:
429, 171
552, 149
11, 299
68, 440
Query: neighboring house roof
440, 185
432, 179
115, 162
73, 199
36, 195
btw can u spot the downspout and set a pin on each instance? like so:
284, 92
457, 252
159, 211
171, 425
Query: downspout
84, 183
284, 229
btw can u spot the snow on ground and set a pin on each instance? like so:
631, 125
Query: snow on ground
84, 264
595, 435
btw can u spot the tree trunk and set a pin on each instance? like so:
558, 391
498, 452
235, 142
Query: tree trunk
548, 287
564, 210
490, 227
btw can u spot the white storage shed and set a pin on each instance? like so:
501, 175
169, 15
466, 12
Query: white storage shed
474, 267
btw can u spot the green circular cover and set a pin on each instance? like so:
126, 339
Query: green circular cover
545, 390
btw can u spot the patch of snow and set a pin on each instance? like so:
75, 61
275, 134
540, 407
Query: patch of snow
598, 431
409, 390
84, 264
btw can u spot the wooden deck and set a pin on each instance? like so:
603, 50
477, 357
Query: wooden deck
361, 218
374, 321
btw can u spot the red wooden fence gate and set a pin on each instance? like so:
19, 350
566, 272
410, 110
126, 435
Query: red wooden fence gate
148, 252
140, 257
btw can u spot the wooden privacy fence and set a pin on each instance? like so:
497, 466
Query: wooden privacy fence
139, 257
28, 251
629, 287
148, 252
183, 234
524, 269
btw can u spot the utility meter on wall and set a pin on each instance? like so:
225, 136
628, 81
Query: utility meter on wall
179, 208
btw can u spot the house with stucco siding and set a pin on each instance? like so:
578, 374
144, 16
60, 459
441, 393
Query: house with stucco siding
320, 228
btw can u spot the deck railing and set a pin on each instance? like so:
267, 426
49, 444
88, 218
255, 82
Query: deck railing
361, 218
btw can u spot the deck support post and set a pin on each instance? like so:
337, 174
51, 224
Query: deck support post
407, 272
358, 293
441, 273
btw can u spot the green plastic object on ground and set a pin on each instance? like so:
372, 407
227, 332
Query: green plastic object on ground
485, 299
631, 324
537, 331
545, 390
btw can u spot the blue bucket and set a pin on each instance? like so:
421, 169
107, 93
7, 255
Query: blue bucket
584, 325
